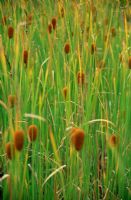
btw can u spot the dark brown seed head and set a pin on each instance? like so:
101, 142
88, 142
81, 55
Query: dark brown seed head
10, 32
62, 12
12, 101
65, 90
129, 62
19, 139
53, 21
25, 56
77, 138
93, 48
80, 78
49, 28
10, 150
32, 132
113, 140
67, 48
113, 32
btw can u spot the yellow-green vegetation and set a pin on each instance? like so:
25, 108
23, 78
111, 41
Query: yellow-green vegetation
65, 100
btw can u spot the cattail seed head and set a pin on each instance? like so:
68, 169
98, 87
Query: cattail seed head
25, 56
113, 140
19, 139
80, 78
49, 28
10, 32
12, 101
67, 48
129, 62
32, 132
62, 12
93, 48
113, 32
77, 138
53, 21
10, 150
65, 91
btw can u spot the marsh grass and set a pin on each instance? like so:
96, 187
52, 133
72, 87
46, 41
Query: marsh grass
77, 74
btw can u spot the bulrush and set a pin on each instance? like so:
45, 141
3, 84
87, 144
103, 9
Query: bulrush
67, 48
62, 12
53, 21
77, 138
81, 78
113, 32
32, 132
65, 90
12, 100
10, 150
129, 62
10, 32
113, 140
93, 48
25, 56
19, 139
50, 28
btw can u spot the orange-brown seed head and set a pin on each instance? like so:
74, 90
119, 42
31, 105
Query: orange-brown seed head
10, 32
19, 139
65, 90
25, 56
10, 150
129, 62
49, 28
113, 32
80, 78
32, 132
53, 21
113, 140
93, 48
77, 138
67, 48
12, 100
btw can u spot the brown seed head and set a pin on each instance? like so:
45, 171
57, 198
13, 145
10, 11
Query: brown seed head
129, 62
67, 48
53, 21
12, 100
65, 90
19, 139
93, 48
10, 32
77, 138
62, 12
25, 56
113, 140
10, 150
49, 28
32, 132
113, 32
81, 78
